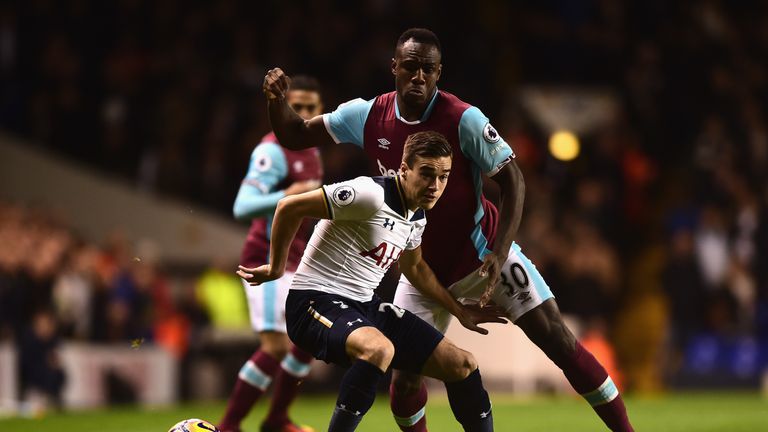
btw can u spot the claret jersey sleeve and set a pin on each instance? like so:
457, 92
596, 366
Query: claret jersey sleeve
481, 143
356, 199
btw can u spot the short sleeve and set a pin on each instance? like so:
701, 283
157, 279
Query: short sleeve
346, 123
414, 240
481, 143
268, 167
356, 199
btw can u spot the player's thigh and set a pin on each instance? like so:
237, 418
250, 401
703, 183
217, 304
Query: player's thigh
449, 363
413, 338
411, 299
319, 323
521, 287
266, 304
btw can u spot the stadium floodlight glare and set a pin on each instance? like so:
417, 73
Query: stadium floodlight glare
564, 145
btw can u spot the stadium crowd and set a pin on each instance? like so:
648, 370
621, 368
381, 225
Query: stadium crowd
655, 236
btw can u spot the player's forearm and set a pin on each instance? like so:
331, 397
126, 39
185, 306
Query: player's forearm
423, 279
251, 204
512, 187
288, 126
284, 227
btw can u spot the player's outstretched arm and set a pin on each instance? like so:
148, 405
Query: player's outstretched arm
290, 211
292, 131
512, 196
423, 278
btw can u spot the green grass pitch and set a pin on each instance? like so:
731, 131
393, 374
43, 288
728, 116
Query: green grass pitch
683, 412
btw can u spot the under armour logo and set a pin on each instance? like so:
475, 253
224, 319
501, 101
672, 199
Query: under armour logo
341, 304
388, 224
384, 143
351, 323
344, 408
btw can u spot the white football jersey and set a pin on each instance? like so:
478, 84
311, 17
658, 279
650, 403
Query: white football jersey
368, 229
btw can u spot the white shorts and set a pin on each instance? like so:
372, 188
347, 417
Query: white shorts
266, 304
520, 289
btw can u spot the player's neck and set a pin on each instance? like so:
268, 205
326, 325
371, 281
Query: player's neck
410, 202
408, 113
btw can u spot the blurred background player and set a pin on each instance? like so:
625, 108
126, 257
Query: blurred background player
274, 173
483, 235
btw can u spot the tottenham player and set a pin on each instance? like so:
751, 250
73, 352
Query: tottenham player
274, 173
332, 310
481, 246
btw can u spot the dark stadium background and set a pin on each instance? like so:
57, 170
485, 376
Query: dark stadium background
655, 236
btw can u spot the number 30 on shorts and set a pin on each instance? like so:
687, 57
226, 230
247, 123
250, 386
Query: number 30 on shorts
516, 274
397, 310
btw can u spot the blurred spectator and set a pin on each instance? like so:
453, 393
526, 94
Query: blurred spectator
41, 373
222, 296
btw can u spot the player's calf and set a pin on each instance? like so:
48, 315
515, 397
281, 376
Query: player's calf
467, 396
373, 353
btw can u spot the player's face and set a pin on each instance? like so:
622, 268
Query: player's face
425, 181
307, 104
417, 68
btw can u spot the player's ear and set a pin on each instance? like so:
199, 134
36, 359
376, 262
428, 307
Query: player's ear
403, 168
439, 71
394, 66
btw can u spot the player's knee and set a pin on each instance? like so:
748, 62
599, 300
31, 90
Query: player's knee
463, 365
276, 346
405, 383
379, 352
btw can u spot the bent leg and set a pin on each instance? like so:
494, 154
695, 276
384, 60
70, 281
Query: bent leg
293, 369
373, 353
252, 382
407, 392
468, 399
545, 327
408, 399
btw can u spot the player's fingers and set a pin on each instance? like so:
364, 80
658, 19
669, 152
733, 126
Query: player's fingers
480, 330
244, 275
483, 272
486, 297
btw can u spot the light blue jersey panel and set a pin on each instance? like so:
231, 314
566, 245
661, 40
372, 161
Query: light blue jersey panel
481, 143
346, 123
257, 195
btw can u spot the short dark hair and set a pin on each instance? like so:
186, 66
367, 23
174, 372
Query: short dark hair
305, 82
427, 144
420, 35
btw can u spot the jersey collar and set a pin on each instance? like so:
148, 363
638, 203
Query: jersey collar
426, 114
407, 214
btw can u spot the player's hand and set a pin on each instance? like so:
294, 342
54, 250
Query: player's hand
301, 187
472, 315
276, 84
491, 269
258, 275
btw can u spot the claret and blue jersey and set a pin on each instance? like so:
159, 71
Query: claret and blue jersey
272, 168
462, 224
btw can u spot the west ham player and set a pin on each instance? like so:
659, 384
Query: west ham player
274, 173
332, 310
481, 236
